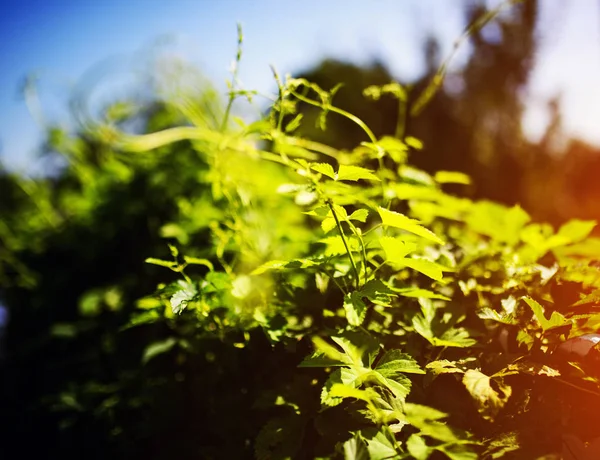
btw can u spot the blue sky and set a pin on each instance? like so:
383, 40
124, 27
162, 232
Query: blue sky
60, 39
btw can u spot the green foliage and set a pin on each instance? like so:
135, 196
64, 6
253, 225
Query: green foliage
308, 302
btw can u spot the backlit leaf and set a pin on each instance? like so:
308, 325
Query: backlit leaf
395, 219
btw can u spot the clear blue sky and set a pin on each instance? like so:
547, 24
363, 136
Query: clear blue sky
61, 39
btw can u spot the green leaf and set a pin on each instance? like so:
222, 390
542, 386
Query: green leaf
428, 268
162, 263
576, 230
328, 224
377, 292
181, 298
355, 308
420, 413
414, 143
593, 297
556, 319
452, 177
359, 215
294, 124
379, 445
394, 219
396, 249
343, 375
417, 447
355, 449
339, 390
502, 445
420, 293
427, 419
147, 317
354, 173
493, 315
157, 348
359, 346
443, 366
399, 384
196, 261
488, 401
458, 451
394, 362
452, 337
324, 168
326, 355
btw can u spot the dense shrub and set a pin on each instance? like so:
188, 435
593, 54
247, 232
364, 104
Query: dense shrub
310, 302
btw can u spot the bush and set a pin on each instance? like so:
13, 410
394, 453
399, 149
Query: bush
320, 303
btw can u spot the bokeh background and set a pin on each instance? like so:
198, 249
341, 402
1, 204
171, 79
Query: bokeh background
519, 112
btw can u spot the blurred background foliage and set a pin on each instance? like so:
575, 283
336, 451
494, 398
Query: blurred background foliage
78, 383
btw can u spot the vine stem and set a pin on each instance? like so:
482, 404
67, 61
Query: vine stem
232, 93
339, 226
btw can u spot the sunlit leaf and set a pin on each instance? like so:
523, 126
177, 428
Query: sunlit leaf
394, 219
487, 399
354, 173
556, 319
157, 348
452, 177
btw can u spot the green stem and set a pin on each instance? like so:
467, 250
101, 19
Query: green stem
232, 93
339, 226
342, 112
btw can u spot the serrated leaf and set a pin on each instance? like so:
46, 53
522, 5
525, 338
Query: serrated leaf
453, 337
396, 249
458, 451
399, 384
493, 315
428, 268
502, 445
488, 401
359, 215
377, 292
324, 168
343, 375
180, 299
420, 293
417, 447
380, 447
339, 390
157, 348
355, 449
335, 245
593, 297
328, 224
326, 355
270, 265
443, 366
355, 308
282, 265
354, 173
394, 362
360, 347
556, 319
397, 220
